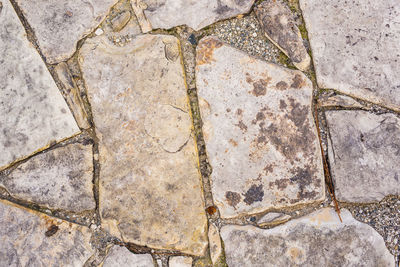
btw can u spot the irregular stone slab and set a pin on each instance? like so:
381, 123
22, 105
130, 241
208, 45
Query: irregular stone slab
32, 239
364, 155
150, 190
356, 47
121, 256
137, 7
332, 100
273, 218
60, 24
215, 243
180, 261
33, 112
278, 24
195, 14
59, 179
317, 239
259, 131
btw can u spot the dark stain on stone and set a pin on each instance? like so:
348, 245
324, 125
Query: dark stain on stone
51, 230
303, 178
254, 194
282, 104
281, 85
298, 82
269, 168
242, 126
262, 139
281, 184
239, 112
171, 187
222, 9
205, 50
232, 198
260, 87
259, 117
228, 110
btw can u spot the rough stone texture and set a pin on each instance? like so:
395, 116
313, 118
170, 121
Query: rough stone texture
278, 23
137, 7
259, 131
32, 239
356, 47
60, 24
215, 243
59, 179
121, 256
193, 13
318, 239
273, 218
139, 103
180, 261
332, 100
364, 155
33, 112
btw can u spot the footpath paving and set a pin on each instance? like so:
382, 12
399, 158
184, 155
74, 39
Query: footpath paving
199, 133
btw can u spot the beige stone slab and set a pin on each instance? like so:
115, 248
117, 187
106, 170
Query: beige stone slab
180, 261
29, 238
259, 132
150, 189
33, 113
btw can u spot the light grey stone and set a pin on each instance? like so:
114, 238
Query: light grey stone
33, 112
180, 261
29, 238
318, 239
278, 24
356, 47
60, 24
121, 256
332, 100
196, 14
364, 155
150, 189
273, 218
259, 132
59, 179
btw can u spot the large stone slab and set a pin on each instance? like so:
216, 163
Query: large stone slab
363, 154
318, 239
59, 179
259, 131
193, 13
121, 256
356, 47
150, 190
33, 112
60, 24
32, 239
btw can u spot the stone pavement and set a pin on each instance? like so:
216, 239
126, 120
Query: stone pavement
199, 133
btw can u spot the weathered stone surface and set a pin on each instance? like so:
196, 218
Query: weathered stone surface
33, 112
121, 256
279, 26
356, 47
332, 100
215, 243
318, 239
193, 13
259, 131
273, 218
32, 239
150, 191
137, 7
180, 261
60, 24
364, 155
59, 179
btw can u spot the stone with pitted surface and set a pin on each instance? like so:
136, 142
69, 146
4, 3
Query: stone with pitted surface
121, 256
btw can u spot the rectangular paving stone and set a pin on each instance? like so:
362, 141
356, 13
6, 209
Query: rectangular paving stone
259, 132
150, 189
356, 47
33, 113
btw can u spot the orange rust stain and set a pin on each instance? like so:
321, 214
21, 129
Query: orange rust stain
233, 142
205, 51
211, 210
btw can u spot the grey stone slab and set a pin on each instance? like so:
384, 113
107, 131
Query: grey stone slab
121, 256
318, 239
363, 154
356, 47
278, 24
33, 112
58, 179
196, 14
180, 261
150, 189
60, 24
32, 239
259, 131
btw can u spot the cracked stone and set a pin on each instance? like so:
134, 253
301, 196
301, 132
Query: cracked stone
356, 47
60, 24
167, 14
317, 239
180, 261
121, 256
59, 179
30, 238
280, 28
34, 113
273, 218
259, 131
140, 110
363, 154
